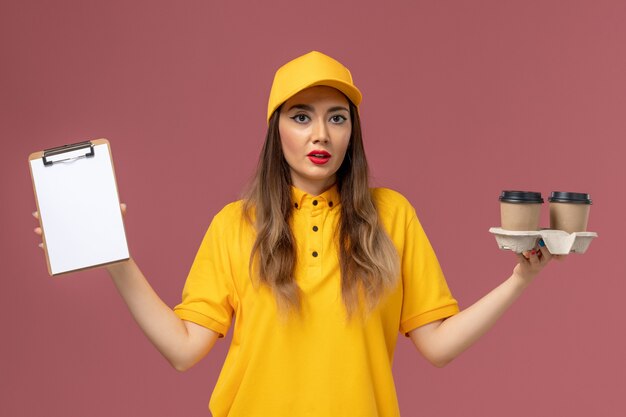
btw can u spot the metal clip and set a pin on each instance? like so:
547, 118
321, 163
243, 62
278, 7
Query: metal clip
49, 153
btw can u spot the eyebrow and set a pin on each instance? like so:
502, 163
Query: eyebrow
310, 108
301, 107
337, 108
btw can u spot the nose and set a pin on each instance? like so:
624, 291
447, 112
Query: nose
320, 132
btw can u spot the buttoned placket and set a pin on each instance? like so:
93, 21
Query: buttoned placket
316, 220
313, 215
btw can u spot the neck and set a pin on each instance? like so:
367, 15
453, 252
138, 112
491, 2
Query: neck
314, 188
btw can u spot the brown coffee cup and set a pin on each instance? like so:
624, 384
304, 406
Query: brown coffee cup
569, 211
520, 210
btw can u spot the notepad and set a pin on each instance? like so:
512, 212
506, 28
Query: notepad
78, 204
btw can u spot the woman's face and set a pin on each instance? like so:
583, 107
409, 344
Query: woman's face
315, 130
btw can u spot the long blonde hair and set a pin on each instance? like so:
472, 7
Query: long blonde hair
368, 259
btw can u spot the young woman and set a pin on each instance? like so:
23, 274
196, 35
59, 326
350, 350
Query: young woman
315, 272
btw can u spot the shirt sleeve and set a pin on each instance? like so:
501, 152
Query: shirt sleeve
426, 296
209, 291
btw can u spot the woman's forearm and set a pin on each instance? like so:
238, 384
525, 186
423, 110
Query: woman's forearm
181, 343
442, 341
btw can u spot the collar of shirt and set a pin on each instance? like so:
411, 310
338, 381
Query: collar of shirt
329, 198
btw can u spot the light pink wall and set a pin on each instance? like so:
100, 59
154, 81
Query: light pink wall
461, 100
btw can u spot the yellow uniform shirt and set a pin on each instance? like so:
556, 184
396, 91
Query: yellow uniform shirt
319, 363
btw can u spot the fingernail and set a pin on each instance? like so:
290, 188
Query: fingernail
542, 243
533, 252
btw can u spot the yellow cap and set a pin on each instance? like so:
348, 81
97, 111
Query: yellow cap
310, 70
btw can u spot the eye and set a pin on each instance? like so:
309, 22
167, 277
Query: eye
300, 118
338, 119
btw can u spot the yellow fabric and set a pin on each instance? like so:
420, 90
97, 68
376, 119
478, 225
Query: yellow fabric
318, 364
310, 70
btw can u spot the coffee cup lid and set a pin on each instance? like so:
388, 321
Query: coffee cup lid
567, 197
521, 197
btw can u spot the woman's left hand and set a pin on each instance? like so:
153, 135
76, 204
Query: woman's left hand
532, 262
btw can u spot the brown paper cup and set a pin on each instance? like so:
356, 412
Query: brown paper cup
569, 211
520, 217
570, 218
520, 210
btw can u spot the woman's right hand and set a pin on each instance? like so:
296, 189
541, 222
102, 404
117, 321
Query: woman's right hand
37, 229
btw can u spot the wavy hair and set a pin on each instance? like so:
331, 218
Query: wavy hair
368, 259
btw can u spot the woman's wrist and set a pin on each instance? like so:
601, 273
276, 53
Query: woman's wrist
118, 266
521, 280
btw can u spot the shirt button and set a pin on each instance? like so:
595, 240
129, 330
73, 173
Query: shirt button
296, 205
330, 204
314, 254
315, 202
315, 229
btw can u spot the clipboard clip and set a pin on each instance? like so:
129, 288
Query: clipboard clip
75, 150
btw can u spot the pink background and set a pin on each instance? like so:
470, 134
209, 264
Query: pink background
461, 100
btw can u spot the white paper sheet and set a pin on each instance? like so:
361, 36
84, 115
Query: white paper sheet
80, 211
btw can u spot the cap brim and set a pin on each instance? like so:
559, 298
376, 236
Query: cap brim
351, 92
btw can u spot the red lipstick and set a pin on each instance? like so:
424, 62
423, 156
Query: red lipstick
319, 157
